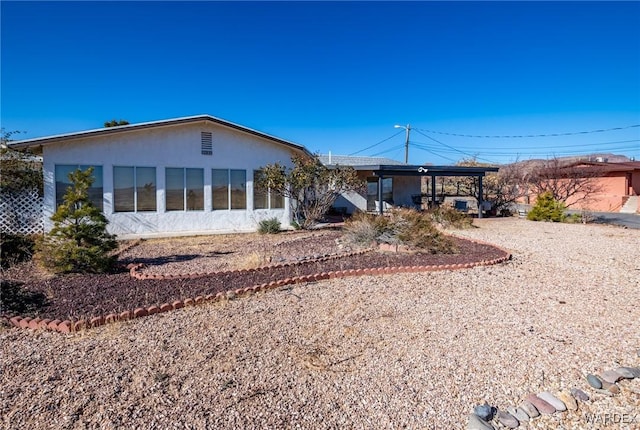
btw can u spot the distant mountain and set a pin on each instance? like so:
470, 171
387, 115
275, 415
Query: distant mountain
596, 157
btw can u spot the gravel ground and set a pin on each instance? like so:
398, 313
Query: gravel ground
395, 351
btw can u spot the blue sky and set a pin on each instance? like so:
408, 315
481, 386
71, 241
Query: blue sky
336, 76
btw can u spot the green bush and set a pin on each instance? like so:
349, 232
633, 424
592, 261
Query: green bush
78, 241
269, 226
15, 248
547, 209
402, 227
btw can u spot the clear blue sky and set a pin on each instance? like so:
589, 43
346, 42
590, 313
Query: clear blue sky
336, 76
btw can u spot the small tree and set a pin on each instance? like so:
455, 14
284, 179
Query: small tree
547, 209
115, 123
19, 171
569, 183
309, 185
78, 241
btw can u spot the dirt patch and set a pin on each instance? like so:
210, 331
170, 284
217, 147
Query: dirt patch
77, 296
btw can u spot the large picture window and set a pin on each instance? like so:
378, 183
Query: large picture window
229, 189
265, 199
184, 189
63, 182
134, 189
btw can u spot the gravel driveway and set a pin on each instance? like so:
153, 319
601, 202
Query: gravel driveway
395, 351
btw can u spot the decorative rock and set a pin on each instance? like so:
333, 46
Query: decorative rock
628, 372
24, 323
553, 401
178, 304
485, 411
604, 392
64, 327
610, 376
126, 315
166, 307
519, 413
569, 401
477, 423
612, 388
508, 420
230, 295
44, 323
579, 394
540, 404
151, 310
529, 409
594, 381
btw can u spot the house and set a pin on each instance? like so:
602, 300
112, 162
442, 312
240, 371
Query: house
616, 186
178, 176
396, 190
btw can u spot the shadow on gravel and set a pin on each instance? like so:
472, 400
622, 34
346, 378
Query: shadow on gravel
15, 299
158, 261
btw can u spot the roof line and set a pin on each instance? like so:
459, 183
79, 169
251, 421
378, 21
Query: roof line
47, 140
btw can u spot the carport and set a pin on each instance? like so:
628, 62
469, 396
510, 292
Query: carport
382, 171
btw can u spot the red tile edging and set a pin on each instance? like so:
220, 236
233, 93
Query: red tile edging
68, 326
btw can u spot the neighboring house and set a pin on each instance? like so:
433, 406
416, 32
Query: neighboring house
172, 177
618, 187
396, 190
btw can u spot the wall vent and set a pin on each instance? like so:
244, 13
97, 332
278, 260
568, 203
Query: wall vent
206, 142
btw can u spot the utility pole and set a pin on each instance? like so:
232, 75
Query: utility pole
406, 142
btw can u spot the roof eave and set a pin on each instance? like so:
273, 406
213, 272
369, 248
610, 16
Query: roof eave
48, 140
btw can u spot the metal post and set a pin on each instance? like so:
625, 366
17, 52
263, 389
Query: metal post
480, 202
433, 191
381, 208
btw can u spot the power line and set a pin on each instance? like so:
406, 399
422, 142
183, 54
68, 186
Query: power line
532, 135
566, 146
387, 150
376, 144
451, 147
542, 151
434, 153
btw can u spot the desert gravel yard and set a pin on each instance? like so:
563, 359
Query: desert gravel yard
412, 350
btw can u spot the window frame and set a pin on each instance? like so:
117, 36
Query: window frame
136, 189
99, 203
185, 189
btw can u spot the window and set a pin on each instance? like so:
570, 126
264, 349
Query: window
372, 192
134, 189
265, 200
62, 182
184, 189
229, 189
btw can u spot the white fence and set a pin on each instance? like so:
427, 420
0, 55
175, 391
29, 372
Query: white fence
21, 213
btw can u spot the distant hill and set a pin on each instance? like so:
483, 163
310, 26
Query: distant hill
599, 157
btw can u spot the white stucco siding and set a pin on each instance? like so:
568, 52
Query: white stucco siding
165, 147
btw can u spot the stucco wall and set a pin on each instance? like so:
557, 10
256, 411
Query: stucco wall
171, 146
610, 198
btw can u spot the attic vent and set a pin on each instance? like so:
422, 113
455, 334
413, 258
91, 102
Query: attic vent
206, 141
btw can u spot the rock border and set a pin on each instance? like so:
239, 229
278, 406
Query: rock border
488, 417
72, 326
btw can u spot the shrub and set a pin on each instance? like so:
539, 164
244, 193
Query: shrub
449, 217
547, 209
402, 227
15, 248
269, 226
78, 241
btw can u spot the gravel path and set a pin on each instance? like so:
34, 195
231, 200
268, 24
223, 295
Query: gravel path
409, 350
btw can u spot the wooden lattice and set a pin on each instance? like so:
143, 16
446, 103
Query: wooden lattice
21, 213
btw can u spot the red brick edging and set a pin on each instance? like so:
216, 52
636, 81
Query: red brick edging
70, 326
